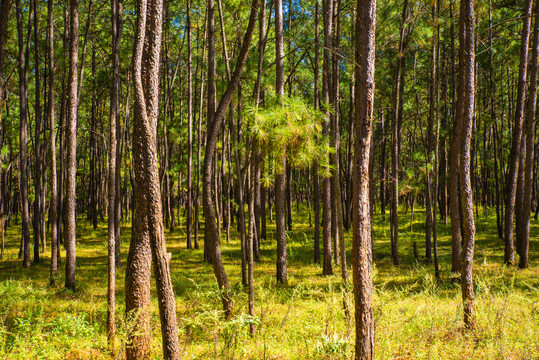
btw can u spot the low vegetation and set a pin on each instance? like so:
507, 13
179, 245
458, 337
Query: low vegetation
416, 315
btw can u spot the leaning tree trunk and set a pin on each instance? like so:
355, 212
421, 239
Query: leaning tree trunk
362, 244
215, 119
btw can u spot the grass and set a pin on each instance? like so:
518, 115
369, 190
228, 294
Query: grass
416, 315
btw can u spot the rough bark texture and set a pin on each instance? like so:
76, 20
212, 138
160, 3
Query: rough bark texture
114, 114
280, 178
71, 139
454, 188
465, 117
146, 82
362, 241
523, 233
514, 156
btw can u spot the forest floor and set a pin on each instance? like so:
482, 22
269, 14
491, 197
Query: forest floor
416, 315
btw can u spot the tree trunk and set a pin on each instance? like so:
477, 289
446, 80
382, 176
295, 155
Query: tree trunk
52, 144
38, 160
523, 232
189, 204
215, 119
23, 108
465, 117
146, 81
71, 139
326, 181
316, 186
395, 138
454, 186
514, 156
5, 8
280, 178
362, 242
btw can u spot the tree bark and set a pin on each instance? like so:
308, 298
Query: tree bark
215, 119
466, 113
52, 144
454, 186
523, 233
362, 241
514, 156
280, 178
23, 108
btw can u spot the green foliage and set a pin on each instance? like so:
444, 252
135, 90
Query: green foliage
289, 128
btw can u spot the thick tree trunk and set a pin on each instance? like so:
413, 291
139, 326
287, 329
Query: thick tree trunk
362, 242
514, 156
146, 81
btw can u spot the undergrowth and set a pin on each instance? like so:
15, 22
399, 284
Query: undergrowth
416, 315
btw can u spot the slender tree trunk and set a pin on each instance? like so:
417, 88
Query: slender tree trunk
466, 117
514, 156
316, 186
524, 232
395, 139
5, 8
454, 186
189, 204
38, 214
112, 188
215, 119
71, 139
23, 108
52, 145
280, 177
326, 181
362, 242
